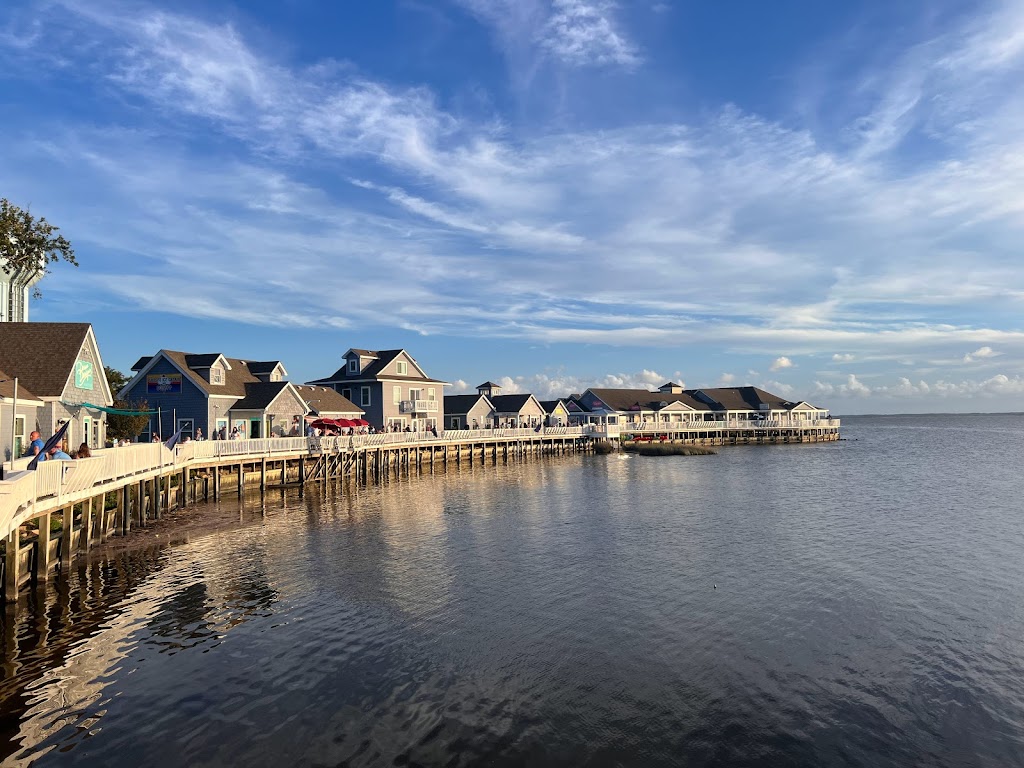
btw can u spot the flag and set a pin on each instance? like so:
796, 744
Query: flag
173, 439
54, 439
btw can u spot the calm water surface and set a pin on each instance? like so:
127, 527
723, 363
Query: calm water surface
858, 603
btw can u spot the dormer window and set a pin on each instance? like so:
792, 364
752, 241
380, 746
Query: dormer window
403, 368
353, 365
216, 375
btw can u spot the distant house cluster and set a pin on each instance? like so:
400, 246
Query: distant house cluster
212, 396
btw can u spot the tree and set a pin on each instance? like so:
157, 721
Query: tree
28, 244
125, 426
115, 379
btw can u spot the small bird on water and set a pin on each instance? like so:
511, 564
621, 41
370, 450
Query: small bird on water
716, 586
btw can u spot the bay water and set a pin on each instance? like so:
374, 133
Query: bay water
856, 603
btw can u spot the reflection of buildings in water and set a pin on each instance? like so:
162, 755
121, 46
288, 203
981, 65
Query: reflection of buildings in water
198, 592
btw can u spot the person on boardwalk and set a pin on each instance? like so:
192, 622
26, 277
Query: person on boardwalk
84, 452
36, 444
199, 433
57, 453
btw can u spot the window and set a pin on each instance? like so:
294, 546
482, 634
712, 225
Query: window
19, 436
216, 375
415, 394
185, 425
455, 422
364, 396
403, 368
346, 393
396, 395
353, 365
86, 432
430, 393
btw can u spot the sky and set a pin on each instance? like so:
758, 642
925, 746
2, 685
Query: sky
822, 199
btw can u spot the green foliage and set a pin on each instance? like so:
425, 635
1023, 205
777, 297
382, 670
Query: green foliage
120, 426
28, 243
115, 379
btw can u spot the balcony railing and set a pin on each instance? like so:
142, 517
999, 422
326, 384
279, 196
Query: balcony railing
417, 406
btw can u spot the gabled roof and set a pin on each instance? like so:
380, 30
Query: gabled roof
7, 388
488, 385
259, 395
550, 405
141, 362
236, 375
361, 352
510, 403
262, 367
454, 404
326, 400
43, 355
199, 362
641, 399
740, 398
382, 359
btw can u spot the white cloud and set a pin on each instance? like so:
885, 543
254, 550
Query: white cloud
573, 32
726, 380
584, 32
780, 363
449, 203
979, 354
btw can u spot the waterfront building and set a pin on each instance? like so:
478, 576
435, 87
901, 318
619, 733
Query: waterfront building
59, 364
391, 388
671, 405
468, 412
25, 417
557, 413
519, 410
326, 403
214, 393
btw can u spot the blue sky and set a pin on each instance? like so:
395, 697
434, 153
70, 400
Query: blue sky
823, 199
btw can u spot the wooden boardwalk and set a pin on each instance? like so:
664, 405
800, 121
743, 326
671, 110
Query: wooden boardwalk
51, 515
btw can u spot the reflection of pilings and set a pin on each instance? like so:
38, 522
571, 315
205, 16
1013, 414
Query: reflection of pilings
35, 549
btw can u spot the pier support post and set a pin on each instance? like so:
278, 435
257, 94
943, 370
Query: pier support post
142, 503
263, 475
43, 555
86, 531
67, 537
241, 479
12, 566
126, 508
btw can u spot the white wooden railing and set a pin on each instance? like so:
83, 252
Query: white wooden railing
699, 426
59, 480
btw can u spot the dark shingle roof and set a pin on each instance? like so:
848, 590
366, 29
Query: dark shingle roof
202, 361
488, 385
510, 403
326, 400
259, 394
141, 363
742, 398
383, 359
454, 404
364, 352
263, 366
7, 388
234, 380
550, 405
42, 355
710, 399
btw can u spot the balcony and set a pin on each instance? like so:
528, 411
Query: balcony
417, 406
